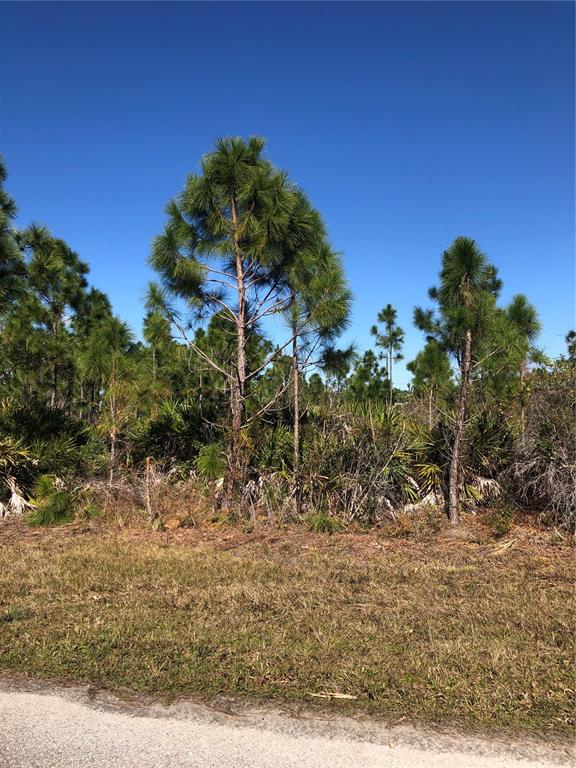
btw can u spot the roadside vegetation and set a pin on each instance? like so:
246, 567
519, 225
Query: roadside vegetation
127, 463
406, 623
294, 428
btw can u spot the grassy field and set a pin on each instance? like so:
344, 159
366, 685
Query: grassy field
479, 634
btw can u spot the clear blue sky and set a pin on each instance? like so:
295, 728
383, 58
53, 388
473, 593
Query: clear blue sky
407, 124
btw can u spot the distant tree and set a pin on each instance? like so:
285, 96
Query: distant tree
107, 360
56, 289
432, 374
166, 360
95, 307
390, 340
466, 297
368, 380
11, 262
315, 389
318, 307
157, 334
524, 319
336, 364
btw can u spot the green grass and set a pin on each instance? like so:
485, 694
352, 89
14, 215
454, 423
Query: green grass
433, 631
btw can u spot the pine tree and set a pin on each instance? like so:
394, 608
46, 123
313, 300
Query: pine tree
107, 361
466, 297
368, 380
524, 320
318, 306
432, 374
226, 250
55, 291
391, 340
11, 262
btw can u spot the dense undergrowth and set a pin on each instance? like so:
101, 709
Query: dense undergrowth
361, 464
291, 430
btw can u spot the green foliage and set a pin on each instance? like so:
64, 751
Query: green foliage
429, 478
34, 419
275, 449
52, 438
542, 467
465, 297
11, 262
490, 442
12, 455
53, 504
364, 461
368, 381
571, 346
211, 462
501, 518
431, 371
244, 248
320, 522
174, 433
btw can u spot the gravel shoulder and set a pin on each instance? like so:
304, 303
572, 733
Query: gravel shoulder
43, 726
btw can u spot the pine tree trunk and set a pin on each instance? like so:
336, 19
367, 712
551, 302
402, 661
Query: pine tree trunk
53, 384
456, 450
522, 401
238, 383
152, 514
112, 456
430, 395
113, 434
54, 367
390, 376
296, 410
81, 399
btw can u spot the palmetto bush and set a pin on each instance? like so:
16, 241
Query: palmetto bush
53, 502
274, 449
12, 455
51, 439
14, 460
175, 432
365, 462
542, 472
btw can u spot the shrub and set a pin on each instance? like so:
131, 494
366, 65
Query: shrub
320, 522
363, 461
542, 473
211, 462
175, 432
501, 518
53, 439
53, 503
275, 449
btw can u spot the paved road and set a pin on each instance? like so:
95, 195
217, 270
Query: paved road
62, 728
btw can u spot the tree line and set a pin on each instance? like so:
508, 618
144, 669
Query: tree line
287, 422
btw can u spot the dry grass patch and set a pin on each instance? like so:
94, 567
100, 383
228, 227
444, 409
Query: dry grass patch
475, 633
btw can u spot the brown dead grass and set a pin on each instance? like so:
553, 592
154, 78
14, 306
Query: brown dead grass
477, 631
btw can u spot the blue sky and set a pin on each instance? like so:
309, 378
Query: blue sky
407, 124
